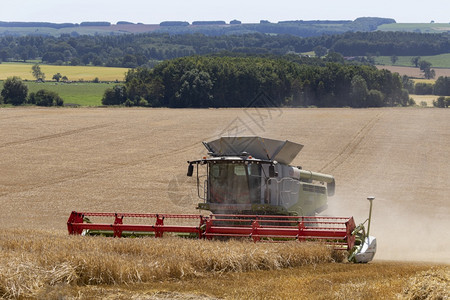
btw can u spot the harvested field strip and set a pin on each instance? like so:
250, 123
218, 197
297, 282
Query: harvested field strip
31, 261
348, 150
53, 136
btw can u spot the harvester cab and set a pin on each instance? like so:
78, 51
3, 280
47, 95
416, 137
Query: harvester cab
253, 175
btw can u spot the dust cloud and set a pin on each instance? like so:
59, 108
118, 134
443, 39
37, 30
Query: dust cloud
402, 234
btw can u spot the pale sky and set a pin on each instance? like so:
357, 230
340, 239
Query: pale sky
154, 12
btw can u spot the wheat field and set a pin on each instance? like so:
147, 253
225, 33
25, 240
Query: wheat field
55, 160
415, 72
73, 73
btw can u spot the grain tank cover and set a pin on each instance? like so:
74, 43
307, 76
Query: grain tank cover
261, 148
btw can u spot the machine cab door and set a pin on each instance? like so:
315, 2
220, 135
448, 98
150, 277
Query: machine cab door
234, 183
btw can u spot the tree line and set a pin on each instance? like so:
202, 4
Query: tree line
297, 28
133, 50
389, 43
441, 87
227, 81
240, 80
15, 92
53, 25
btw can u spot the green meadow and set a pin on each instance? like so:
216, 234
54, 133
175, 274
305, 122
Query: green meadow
437, 61
416, 27
81, 93
77, 91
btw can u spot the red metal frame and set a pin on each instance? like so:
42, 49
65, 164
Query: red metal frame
333, 230
76, 223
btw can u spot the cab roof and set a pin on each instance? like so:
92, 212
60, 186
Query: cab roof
258, 147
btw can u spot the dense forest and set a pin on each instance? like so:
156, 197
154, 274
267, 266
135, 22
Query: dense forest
146, 49
224, 81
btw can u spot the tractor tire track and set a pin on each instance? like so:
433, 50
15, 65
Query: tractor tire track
54, 136
351, 147
3, 118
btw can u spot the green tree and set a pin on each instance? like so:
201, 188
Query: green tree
370, 59
14, 91
429, 73
404, 99
442, 86
394, 59
408, 83
46, 98
57, 77
97, 61
415, 61
359, 92
37, 72
411, 102
423, 88
195, 90
334, 57
320, 51
425, 67
236, 80
129, 61
142, 83
440, 102
115, 96
375, 98
75, 61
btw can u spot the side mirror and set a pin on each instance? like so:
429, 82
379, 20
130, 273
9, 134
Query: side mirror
272, 172
190, 170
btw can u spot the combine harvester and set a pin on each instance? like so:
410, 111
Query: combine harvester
253, 192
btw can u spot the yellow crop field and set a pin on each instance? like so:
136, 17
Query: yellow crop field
74, 73
55, 160
416, 73
424, 98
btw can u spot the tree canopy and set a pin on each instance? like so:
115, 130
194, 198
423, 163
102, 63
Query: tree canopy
37, 72
45, 98
131, 50
14, 91
223, 81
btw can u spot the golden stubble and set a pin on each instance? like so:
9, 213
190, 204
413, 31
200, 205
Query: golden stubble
33, 261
